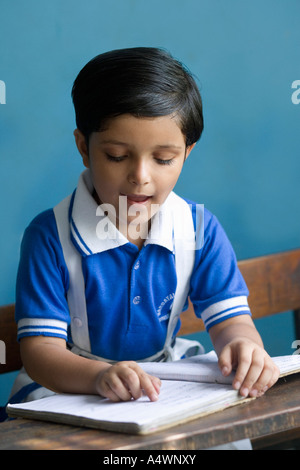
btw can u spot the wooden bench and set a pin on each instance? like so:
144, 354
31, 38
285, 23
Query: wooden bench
274, 286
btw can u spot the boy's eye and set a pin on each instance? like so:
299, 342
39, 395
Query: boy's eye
165, 162
115, 159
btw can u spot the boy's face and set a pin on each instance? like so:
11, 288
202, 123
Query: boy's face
140, 158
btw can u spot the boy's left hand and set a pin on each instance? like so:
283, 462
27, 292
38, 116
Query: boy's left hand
240, 348
255, 372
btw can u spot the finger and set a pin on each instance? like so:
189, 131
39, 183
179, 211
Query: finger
275, 375
137, 381
260, 386
118, 388
132, 381
255, 371
267, 379
225, 361
156, 383
107, 392
150, 385
244, 365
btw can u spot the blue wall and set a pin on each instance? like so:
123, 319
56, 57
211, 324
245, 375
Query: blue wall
246, 168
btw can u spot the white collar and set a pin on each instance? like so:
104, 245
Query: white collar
88, 232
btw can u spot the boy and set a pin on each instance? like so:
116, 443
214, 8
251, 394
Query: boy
104, 276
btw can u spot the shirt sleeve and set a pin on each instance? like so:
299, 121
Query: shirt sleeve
218, 290
42, 282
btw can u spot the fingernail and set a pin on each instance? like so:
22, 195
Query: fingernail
244, 392
225, 370
237, 385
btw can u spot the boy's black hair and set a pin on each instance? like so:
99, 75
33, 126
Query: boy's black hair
142, 81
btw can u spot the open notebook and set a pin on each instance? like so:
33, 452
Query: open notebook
190, 388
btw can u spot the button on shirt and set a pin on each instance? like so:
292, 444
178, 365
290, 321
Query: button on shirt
128, 292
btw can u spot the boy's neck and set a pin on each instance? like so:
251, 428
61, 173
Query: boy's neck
140, 234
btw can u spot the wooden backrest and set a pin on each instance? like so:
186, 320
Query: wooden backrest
274, 286
8, 334
273, 282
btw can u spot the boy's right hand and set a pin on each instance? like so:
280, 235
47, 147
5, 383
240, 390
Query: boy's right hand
126, 380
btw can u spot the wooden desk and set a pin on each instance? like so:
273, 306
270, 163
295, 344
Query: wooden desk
273, 416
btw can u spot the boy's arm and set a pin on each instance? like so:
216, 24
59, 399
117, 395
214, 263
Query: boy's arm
49, 363
240, 348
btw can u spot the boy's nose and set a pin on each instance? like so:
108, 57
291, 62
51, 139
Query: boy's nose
139, 173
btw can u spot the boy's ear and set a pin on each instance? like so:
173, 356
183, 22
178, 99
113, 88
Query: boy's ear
189, 149
82, 146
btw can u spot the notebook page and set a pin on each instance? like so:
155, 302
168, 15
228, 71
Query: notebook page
204, 368
287, 364
176, 399
200, 368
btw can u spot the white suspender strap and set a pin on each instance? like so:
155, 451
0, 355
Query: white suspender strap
184, 244
76, 292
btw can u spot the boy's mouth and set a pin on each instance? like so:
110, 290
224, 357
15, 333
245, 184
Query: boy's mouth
136, 198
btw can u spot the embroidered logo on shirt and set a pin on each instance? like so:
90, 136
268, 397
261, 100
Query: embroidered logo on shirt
163, 311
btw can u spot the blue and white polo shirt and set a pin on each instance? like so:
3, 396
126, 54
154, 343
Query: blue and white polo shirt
129, 292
